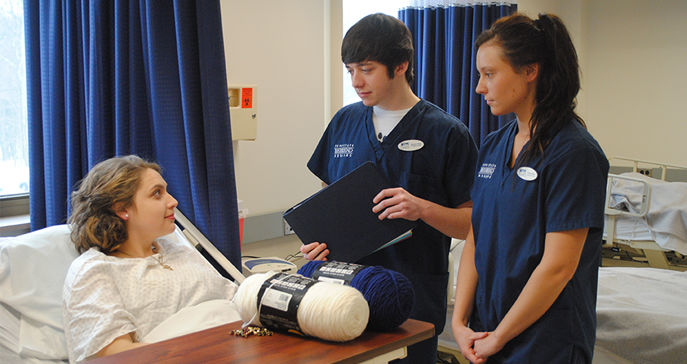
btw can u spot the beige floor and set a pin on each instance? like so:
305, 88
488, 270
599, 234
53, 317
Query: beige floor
285, 247
638, 260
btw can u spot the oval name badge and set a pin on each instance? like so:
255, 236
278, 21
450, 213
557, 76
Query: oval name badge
411, 145
527, 173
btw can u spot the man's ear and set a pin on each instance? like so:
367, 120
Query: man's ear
401, 69
532, 71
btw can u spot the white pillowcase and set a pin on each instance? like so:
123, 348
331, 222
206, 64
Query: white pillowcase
32, 271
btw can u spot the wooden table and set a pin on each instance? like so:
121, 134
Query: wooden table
216, 345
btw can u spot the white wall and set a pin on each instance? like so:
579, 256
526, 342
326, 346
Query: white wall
633, 56
636, 77
280, 47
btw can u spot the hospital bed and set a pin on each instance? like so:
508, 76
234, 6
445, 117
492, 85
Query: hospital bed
645, 217
641, 316
32, 271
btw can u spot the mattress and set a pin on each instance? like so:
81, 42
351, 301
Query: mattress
640, 318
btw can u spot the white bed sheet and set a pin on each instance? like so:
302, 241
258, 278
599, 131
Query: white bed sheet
8, 357
10, 340
190, 319
195, 318
641, 315
9, 328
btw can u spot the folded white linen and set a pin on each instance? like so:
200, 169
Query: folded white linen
666, 218
195, 318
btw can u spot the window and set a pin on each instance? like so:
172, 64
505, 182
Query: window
14, 156
354, 10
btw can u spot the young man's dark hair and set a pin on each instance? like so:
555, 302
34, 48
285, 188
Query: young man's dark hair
381, 38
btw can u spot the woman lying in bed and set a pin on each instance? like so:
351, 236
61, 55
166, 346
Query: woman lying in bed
130, 276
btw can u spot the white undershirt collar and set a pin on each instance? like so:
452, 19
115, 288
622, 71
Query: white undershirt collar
386, 120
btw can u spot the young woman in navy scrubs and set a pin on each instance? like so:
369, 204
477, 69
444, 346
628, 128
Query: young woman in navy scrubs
526, 290
422, 149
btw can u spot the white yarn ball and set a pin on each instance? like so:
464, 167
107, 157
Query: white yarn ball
327, 311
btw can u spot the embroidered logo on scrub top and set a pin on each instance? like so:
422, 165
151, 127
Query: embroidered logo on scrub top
486, 170
343, 150
527, 173
411, 145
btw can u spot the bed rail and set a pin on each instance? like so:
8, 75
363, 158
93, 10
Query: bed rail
612, 213
636, 162
198, 239
655, 254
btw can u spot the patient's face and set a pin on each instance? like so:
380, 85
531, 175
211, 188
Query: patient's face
152, 213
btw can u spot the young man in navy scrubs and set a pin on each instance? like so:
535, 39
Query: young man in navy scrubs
434, 171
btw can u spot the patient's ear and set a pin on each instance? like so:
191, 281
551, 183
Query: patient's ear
121, 212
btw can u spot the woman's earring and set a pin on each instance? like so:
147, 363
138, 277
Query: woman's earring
126, 216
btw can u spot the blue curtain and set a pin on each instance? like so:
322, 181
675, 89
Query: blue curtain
108, 78
445, 70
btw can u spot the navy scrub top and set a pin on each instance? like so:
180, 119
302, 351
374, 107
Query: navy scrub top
511, 216
441, 171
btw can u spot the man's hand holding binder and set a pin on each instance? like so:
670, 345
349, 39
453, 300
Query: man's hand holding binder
343, 216
397, 203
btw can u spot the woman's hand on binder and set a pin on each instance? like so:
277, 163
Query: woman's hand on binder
315, 251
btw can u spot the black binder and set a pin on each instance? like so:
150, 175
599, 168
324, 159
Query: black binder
341, 216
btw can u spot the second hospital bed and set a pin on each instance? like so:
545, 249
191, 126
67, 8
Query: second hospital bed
646, 218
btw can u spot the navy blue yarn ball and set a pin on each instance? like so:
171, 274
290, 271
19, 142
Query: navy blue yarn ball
389, 294
309, 268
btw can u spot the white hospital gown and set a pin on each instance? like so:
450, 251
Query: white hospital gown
106, 297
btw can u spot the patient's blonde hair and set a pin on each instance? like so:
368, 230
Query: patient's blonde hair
108, 187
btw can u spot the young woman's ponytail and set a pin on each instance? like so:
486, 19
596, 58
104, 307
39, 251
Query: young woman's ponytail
546, 42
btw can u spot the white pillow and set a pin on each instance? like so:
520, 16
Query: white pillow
32, 271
